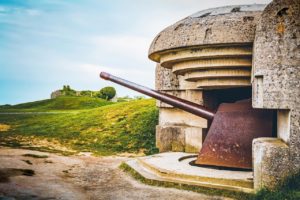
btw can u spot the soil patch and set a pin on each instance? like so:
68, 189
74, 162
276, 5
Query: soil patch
76, 177
6, 173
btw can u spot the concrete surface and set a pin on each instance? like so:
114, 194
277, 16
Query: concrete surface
271, 161
178, 138
211, 49
276, 84
167, 167
235, 24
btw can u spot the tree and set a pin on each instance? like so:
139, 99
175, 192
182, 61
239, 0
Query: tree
107, 93
68, 91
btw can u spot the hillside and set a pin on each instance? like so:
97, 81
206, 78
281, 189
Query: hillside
107, 130
59, 103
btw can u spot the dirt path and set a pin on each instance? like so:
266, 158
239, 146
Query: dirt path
75, 177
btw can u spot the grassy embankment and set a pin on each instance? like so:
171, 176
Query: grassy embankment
93, 125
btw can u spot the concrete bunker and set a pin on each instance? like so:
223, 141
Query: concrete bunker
225, 55
205, 58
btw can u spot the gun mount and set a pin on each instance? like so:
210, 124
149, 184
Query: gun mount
233, 127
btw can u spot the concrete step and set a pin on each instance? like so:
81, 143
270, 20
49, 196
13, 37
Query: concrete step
166, 167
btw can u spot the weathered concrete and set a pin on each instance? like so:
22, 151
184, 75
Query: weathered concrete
177, 130
170, 138
276, 80
165, 79
211, 49
230, 24
193, 139
271, 162
175, 167
211, 67
191, 95
179, 117
179, 138
277, 56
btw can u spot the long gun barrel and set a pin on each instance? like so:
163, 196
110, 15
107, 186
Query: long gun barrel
185, 105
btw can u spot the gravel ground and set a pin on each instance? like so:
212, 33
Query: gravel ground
75, 177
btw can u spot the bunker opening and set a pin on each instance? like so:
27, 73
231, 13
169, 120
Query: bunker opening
233, 125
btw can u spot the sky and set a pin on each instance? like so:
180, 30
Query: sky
45, 44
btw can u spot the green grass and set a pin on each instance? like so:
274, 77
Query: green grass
116, 128
57, 104
288, 190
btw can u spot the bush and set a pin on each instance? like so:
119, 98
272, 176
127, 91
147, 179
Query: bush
87, 93
107, 93
5, 106
68, 91
139, 97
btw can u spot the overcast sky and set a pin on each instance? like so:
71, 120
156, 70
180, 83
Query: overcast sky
45, 44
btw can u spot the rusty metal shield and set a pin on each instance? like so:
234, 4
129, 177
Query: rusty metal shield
229, 139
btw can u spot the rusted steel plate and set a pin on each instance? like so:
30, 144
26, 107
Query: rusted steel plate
229, 139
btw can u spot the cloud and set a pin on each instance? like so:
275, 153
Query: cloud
33, 12
93, 69
122, 52
90, 68
131, 43
13, 10
2, 9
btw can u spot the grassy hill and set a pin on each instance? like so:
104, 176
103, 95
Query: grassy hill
106, 130
59, 103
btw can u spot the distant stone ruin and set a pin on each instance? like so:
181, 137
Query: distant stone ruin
55, 94
67, 91
58, 93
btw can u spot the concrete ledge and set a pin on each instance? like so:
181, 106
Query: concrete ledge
271, 162
167, 167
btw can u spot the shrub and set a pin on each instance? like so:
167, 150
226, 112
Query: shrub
87, 93
68, 91
107, 93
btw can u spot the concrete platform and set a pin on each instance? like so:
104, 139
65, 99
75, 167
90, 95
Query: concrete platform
175, 167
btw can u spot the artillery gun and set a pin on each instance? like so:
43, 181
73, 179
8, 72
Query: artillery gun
232, 128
